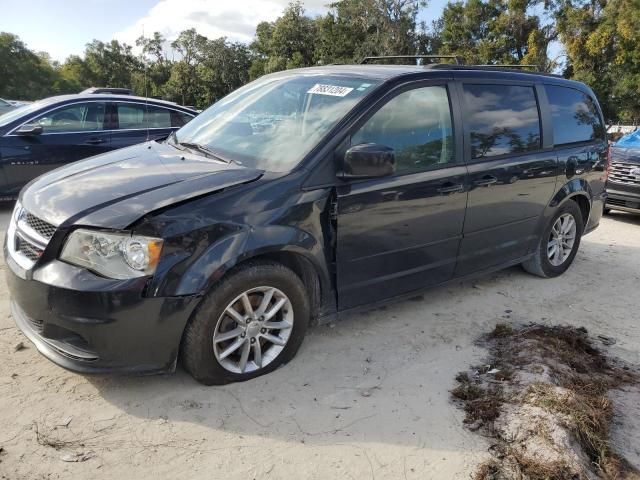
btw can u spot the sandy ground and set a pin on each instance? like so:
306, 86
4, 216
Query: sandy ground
365, 398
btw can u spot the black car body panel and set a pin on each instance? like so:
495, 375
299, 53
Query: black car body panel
623, 188
25, 157
124, 185
354, 242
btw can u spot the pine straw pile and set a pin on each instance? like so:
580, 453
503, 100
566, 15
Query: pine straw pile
543, 399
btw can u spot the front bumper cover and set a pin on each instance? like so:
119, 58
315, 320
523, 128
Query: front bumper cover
623, 197
89, 324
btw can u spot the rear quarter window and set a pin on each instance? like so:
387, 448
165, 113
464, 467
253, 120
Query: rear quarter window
574, 115
140, 116
178, 119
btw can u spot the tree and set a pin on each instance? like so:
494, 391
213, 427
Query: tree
354, 29
224, 68
601, 43
497, 31
156, 66
23, 74
289, 42
183, 84
111, 64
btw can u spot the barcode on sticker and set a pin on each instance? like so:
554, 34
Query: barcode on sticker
333, 90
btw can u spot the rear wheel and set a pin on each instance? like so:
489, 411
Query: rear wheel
559, 243
249, 324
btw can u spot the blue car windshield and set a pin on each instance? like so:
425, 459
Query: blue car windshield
273, 122
16, 113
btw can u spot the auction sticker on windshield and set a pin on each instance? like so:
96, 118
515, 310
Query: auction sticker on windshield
332, 90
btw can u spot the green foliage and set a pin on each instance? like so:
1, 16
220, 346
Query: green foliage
23, 73
599, 37
601, 40
497, 32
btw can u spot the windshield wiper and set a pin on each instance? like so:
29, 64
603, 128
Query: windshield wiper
204, 150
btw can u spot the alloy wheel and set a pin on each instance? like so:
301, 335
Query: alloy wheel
253, 329
561, 239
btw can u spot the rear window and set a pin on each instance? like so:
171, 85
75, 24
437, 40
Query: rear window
503, 119
575, 116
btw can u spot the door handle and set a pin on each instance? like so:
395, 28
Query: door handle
486, 181
95, 141
451, 188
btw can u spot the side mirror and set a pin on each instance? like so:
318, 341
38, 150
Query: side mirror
368, 160
29, 129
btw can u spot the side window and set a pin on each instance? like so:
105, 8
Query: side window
139, 116
417, 125
502, 119
574, 114
79, 117
178, 119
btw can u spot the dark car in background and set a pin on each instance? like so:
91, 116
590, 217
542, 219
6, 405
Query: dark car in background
47, 134
305, 194
623, 188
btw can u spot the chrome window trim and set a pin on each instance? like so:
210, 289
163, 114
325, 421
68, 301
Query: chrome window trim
105, 101
101, 131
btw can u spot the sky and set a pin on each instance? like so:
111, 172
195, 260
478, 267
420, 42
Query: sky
64, 27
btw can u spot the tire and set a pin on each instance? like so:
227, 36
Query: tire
542, 264
606, 211
205, 342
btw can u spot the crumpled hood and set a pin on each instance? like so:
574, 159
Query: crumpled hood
115, 189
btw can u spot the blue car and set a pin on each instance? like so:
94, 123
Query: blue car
56, 131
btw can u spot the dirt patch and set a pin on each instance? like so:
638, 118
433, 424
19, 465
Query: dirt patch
543, 396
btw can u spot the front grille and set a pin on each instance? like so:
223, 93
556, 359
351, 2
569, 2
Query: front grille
27, 249
43, 228
626, 173
27, 237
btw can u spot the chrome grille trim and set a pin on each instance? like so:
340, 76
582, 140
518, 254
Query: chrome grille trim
27, 237
621, 173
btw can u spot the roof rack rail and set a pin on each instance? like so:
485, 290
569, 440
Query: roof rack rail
456, 59
504, 65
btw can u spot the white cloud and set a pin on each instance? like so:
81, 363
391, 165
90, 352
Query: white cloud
235, 19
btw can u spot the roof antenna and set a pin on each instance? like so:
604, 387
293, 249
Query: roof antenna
146, 92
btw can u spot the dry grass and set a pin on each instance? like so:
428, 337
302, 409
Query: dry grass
480, 404
513, 466
568, 377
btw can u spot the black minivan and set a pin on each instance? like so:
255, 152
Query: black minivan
302, 195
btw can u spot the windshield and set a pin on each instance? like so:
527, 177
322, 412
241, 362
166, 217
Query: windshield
272, 123
18, 112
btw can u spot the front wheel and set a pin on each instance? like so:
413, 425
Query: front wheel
559, 243
250, 323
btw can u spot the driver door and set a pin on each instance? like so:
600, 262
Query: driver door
401, 233
69, 133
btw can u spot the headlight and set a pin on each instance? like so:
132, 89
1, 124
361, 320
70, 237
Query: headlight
114, 255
